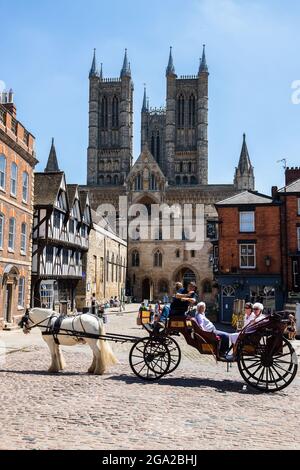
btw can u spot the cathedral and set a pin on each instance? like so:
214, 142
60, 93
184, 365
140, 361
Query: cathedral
172, 168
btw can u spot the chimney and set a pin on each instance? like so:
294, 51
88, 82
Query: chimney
7, 100
292, 174
274, 190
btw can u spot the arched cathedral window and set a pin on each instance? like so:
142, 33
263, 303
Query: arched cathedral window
157, 261
115, 112
157, 147
135, 258
104, 112
153, 144
192, 111
180, 111
138, 183
153, 184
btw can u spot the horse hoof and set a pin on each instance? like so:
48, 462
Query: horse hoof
53, 369
90, 371
99, 372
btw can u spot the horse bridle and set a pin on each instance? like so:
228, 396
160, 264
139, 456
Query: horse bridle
24, 322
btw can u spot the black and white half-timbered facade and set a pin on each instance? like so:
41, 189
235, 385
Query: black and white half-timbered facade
61, 226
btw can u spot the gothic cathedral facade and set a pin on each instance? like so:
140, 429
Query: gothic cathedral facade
172, 169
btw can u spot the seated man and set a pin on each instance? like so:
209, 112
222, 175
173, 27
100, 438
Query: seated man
206, 325
183, 299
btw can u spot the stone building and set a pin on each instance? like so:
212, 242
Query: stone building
171, 169
104, 265
61, 227
17, 162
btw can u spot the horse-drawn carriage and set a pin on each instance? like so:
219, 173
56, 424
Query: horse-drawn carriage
266, 359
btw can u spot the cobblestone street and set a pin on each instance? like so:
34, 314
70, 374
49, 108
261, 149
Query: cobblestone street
199, 406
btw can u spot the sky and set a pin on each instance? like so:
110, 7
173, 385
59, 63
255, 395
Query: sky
252, 51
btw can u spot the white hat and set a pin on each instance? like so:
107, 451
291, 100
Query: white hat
258, 305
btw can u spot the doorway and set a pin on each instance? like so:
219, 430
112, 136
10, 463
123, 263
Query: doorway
8, 303
146, 289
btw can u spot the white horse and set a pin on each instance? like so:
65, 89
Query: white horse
86, 323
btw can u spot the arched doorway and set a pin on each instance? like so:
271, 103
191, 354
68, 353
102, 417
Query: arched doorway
186, 275
146, 289
10, 281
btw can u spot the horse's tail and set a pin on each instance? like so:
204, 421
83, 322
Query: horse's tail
107, 356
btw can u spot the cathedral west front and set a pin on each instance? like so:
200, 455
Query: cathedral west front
172, 169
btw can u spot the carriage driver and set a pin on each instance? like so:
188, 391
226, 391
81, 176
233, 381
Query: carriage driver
182, 299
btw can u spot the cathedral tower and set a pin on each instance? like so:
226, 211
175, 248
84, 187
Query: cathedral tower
177, 135
110, 126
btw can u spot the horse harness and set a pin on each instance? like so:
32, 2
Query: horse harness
52, 328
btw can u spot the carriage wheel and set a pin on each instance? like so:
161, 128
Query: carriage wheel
175, 353
150, 358
267, 371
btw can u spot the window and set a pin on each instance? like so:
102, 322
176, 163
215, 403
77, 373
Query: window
211, 230
21, 292
71, 225
115, 112
65, 256
83, 231
153, 185
177, 179
12, 233
2, 171
13, 179
135, 258
192, 253
2, 220
247, 221
56, 219
25, 186
158, 259
298, 206
49, 254
23, 237
177, 252
104, 113
180, 111
192, 108
138, 183
298, 238
207, 287
247, 256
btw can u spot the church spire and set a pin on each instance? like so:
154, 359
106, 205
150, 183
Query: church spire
144, 107
125, 71
52, 164
170, 70
244, 174
93, 71
203, 65
244, 162
101, 72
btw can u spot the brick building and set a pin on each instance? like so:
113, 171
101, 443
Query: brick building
249, 264
17, 161
289, 196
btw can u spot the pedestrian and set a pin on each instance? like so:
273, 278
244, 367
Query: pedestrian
94, 305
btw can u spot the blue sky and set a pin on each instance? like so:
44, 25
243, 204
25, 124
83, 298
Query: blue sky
252, 53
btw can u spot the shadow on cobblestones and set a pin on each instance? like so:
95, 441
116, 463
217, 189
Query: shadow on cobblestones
42, 372
221, 386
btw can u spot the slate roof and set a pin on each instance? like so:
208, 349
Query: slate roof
246, 197
46, 186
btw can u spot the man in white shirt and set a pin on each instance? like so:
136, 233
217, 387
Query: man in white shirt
206, 325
